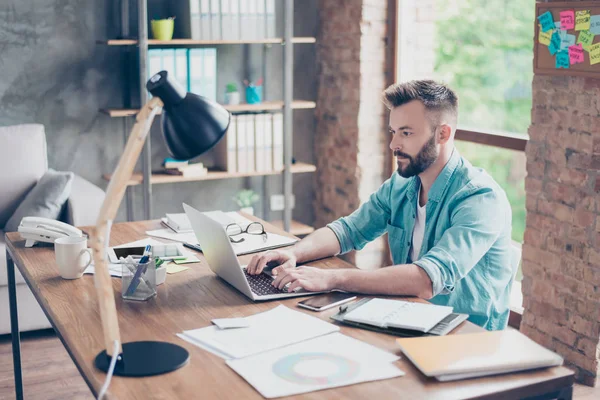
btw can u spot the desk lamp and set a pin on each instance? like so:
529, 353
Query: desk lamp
191, 125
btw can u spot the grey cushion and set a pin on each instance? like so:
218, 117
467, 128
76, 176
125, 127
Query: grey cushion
46, 199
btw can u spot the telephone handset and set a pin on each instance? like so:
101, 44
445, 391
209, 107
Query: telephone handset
38, 229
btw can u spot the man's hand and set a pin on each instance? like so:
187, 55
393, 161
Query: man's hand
285, 259
307, 278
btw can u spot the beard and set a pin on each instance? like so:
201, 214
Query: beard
423, 160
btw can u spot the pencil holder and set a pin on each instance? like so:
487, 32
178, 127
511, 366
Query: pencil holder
253, 94
139, 280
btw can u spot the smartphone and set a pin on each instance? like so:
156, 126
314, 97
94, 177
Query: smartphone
326, 301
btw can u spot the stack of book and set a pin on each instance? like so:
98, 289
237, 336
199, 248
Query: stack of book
183, 168
177, 222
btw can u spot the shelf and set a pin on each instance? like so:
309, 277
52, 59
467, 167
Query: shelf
264, 106
191, 42
137, 178
296, 228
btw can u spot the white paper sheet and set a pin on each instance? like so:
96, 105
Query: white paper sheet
324, 362
268, 330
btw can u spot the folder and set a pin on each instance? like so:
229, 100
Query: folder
232, 145
251, 142
215, 20
260, 150
242, 146
181, 68
278, 142
205, 28
270, 17
195, 32
476, 354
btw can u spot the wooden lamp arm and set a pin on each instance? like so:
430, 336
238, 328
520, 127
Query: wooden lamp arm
99, 237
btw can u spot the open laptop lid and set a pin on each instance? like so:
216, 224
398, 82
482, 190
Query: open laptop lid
217, 250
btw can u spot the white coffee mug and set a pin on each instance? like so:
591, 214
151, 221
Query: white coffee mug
70, 256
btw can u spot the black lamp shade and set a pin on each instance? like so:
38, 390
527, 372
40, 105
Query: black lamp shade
191, 124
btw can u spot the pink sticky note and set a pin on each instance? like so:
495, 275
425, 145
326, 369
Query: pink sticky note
576, 54
567, 20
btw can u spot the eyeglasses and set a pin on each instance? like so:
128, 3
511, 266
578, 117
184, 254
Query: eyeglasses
254, 228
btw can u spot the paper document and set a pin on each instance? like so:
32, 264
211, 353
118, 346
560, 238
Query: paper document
250, 244
325, 362
268, 330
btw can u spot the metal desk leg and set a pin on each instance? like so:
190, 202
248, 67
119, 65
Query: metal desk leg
14, 326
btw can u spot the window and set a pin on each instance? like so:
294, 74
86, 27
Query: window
483, 49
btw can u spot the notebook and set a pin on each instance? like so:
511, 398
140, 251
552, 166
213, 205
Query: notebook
443, 327
386, 313
472, 355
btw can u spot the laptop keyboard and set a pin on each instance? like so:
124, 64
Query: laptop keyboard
261, 284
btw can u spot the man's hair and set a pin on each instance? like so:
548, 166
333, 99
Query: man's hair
439, 100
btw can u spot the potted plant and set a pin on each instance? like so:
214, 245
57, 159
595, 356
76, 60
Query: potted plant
245, 199
232, 96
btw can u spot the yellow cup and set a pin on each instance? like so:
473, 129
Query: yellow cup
162, 29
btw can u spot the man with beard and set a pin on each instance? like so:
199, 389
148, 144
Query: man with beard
449, 223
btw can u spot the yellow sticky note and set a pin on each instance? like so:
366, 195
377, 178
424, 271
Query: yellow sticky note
595, 54
586, 38
174, 268
545, 37
582, 20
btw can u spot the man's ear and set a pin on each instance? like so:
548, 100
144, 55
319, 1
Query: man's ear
445, 133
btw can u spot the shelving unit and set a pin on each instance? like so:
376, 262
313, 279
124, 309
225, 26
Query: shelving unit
191, 42
264, 106
137, 178
286, 106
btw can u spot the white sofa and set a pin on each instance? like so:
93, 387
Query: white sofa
23, 161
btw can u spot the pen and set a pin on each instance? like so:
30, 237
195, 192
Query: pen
192, 246
141, 269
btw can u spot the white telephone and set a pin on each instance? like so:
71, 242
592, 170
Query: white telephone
38, 229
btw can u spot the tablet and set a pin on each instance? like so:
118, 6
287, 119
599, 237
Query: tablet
164, 251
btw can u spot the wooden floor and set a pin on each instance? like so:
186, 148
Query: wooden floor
49, 373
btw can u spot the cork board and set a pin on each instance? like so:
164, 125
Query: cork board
577, 48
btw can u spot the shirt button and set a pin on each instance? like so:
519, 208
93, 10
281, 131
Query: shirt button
413, 215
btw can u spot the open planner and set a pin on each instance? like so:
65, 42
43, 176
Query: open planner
400, 318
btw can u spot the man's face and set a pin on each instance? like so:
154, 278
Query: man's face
413, 139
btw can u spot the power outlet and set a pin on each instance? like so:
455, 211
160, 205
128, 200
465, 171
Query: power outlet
278, 202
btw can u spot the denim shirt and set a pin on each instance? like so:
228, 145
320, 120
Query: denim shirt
467, 241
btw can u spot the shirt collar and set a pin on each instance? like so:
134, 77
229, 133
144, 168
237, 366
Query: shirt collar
441, 182
439, 186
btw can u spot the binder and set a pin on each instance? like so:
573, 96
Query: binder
268, 158
251, 143
260, 19
196, 71
442, 328
242, 146
278, 142
205, 28
270, 17
215, 20
195, 32
245, 29
232, 153
154, 62
260, 150
210, 73
181, 68
476, 354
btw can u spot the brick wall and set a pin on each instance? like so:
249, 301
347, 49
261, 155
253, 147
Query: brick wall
561, 251
351, 139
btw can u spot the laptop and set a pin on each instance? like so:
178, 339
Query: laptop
222, 260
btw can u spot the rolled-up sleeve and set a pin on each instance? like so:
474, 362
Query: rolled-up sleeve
476, 223
365, 224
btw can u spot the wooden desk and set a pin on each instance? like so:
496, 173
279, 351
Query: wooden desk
189, 300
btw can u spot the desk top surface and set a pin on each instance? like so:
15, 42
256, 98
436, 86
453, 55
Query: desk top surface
190, 300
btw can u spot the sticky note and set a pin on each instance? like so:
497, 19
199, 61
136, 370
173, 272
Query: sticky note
567, 20
173, 268
556, 24
586, 38
582, 20
554, 43
595, 24
189, 260
545, 37
546, 21
562, 59
576, 54
595, 54
567, 41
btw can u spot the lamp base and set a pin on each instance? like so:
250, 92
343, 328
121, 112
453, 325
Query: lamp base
145, 359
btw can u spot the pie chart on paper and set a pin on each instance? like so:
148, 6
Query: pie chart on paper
316, 368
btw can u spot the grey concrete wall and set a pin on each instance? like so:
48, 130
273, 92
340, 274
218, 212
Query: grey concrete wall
53, 73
